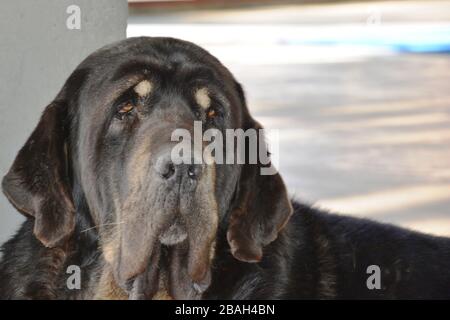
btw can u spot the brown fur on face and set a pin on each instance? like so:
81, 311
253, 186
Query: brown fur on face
107, 288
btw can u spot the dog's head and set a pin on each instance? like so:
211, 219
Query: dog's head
105, 143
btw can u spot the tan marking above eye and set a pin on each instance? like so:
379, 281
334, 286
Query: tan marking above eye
202, 98
143, 88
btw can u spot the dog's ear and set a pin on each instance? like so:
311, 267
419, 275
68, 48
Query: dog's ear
37, 183
261, 206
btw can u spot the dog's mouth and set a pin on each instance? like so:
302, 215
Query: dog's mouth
174, 234
167, 273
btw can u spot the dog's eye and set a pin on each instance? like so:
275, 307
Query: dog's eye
211, 113
124, 110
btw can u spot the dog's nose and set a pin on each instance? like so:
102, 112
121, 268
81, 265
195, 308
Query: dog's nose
168, 170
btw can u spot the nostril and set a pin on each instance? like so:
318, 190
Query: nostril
193, 172
169, 171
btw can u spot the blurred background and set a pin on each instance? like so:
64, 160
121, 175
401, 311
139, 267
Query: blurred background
359, 91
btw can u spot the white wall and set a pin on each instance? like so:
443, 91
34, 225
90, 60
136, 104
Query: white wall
37, 54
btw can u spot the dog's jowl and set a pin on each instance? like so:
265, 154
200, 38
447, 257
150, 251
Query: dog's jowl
101, 192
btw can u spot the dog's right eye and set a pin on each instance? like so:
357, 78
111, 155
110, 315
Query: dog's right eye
124, 110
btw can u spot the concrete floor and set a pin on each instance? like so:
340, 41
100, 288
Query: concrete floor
363, 130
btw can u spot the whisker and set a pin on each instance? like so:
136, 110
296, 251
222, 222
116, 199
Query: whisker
102, 225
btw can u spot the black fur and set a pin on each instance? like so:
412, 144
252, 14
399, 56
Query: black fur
317, 256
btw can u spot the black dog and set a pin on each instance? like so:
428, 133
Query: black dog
101, 191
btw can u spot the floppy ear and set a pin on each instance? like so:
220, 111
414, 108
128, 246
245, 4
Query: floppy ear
37, 183
261, 208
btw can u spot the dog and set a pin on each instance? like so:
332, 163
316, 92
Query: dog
101, 191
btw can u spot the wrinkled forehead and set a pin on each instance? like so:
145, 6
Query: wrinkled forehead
160, 67
171, 73
128, 72
165, 74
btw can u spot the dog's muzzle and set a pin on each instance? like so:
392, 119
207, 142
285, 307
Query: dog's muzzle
177, 242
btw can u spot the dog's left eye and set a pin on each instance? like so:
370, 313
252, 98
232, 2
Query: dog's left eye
124, 110
211, 113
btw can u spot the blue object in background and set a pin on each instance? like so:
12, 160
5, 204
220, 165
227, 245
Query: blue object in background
413, 39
